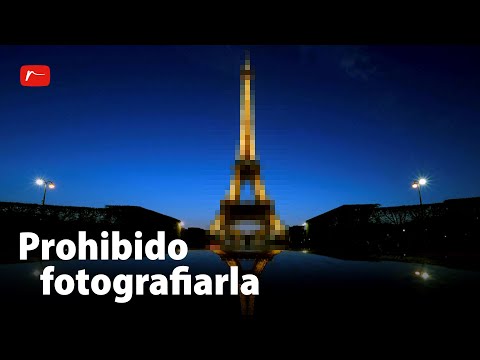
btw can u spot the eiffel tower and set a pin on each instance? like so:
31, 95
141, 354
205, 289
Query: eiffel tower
271, 233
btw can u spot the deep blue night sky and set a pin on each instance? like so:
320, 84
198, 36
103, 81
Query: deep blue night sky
157, 126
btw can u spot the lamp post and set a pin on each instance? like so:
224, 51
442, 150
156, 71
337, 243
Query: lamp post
417, 184
45, 183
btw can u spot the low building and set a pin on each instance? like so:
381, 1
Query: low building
64, 222
340, 229
196, 238
297, 238
452, 225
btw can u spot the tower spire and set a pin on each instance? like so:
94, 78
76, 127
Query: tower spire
247, 112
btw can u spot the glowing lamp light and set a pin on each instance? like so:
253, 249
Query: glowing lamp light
417, 184
45, 184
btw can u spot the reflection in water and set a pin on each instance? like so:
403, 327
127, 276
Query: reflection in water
260, 261
38, 269
294, 287
37, 273
423, 274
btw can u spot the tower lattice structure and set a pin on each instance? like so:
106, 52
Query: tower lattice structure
225, 231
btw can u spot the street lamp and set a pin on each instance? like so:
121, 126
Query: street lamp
45, 183
417, 184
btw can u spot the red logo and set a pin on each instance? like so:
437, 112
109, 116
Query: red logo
35, 75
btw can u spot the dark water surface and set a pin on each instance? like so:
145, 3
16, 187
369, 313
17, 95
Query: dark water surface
294, 286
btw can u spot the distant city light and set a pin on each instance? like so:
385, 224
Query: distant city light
417, 273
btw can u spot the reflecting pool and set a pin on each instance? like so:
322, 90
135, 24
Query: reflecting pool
293, 285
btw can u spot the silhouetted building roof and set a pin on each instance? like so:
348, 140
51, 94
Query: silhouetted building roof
471, 201
92, 214
345, 209
361, 213
137, 210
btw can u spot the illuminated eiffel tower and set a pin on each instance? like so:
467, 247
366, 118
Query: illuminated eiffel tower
270, 232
